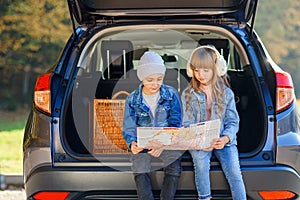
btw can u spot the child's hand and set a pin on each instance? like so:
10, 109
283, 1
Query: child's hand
220, 142
134, 148
155, 152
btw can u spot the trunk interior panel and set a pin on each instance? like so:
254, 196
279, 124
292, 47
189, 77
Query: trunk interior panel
93, 120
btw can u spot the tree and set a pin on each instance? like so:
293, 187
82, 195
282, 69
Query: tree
278, 25
31, 34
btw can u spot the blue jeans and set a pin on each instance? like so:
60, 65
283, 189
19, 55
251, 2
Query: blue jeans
228, 157
143, 164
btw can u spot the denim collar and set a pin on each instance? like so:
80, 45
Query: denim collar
192, 90
164, 95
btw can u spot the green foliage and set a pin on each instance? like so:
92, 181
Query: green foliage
11, 161
11, 137
10, 121
31, 38
278, 25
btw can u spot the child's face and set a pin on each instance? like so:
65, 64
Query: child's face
203, 75
152, 83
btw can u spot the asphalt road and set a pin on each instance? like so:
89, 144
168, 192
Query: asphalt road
12, 194
11, 187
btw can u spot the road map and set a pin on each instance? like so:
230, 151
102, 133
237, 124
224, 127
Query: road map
195, 137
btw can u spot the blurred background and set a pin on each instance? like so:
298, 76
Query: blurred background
31, 38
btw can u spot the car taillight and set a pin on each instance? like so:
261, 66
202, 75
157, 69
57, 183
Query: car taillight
277, 195
42, 95
285, 90
51, 195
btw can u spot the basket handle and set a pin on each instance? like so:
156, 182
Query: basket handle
119, 93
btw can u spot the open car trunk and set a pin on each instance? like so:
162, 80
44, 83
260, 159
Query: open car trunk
107, 74
238, 11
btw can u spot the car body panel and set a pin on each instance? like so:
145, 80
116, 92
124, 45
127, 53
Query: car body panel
36, 142
86, 181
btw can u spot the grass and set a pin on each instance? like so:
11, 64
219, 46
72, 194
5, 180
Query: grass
11, 138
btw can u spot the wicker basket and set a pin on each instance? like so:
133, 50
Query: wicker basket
108, 125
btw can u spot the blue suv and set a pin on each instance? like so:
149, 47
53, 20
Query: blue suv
73, 146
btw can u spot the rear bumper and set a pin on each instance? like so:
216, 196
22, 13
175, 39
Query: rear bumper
270, 178
115, 184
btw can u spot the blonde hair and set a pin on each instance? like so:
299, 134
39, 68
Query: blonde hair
205, 57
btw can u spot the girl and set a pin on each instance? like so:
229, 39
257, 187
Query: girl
209, 97
152, 104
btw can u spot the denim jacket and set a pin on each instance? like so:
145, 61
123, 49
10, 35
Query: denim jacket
229, 117
167, 114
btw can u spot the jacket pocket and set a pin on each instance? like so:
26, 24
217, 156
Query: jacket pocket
162, 113
143, 119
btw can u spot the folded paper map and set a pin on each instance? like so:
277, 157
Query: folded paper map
196, 136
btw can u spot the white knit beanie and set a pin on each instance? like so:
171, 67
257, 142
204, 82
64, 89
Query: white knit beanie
150, 63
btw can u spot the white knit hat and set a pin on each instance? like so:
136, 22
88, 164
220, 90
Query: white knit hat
150, 63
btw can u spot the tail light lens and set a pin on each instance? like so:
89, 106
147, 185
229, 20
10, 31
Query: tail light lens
285, 90
51, 195
42, 95
277, 195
